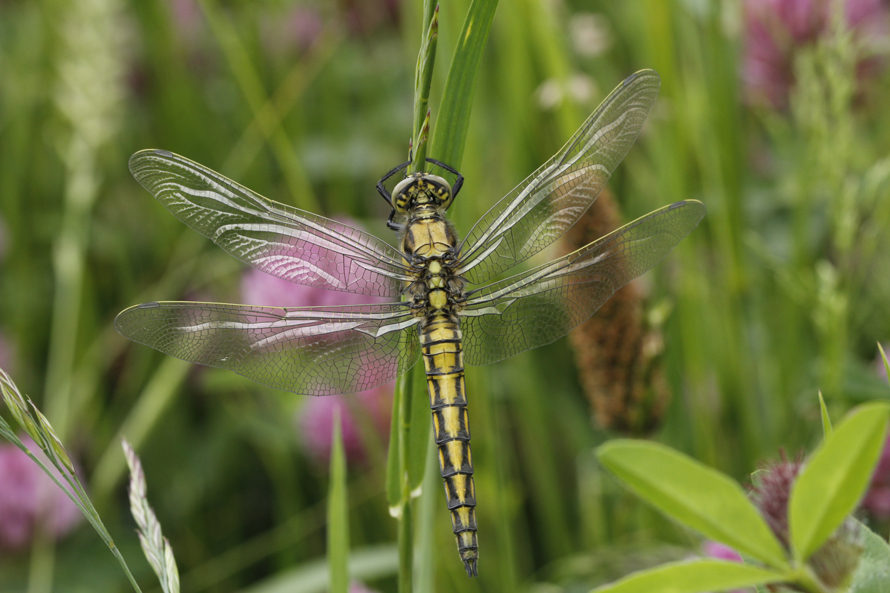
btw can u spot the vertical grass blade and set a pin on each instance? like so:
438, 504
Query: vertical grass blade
393, 463
419, 433
338, 515
835, 477
826, 419
424, 539
423, 78
450, 131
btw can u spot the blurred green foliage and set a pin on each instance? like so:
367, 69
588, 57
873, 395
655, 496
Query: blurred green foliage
780, 292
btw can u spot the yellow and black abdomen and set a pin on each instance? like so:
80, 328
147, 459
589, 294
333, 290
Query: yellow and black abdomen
443, 360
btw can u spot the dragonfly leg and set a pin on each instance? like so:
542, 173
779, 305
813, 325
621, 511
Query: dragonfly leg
460, 178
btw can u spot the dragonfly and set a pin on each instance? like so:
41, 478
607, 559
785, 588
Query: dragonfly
450, 301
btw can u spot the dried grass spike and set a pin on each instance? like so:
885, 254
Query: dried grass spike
618, 357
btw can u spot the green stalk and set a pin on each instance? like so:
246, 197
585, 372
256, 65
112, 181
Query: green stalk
423, 78
406, 543
457, 100
338, 513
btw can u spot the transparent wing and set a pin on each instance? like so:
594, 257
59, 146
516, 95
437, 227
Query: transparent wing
278, 239
547, 203
307, 350
538, 306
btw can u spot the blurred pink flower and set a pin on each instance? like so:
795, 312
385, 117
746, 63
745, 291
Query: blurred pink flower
358, 413
776, 29
771, 491
877, 499
356, 587
723, 552
294, 32
187, 17
29, 498
260, 288
838, 557
316, 416
720, 551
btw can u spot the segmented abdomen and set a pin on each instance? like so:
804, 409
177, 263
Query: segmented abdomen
443, 359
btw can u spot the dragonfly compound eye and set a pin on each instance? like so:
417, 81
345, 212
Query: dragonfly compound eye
421, 189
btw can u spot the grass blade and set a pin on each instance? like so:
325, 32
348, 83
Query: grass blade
338, 515
450, 132
423, 78
155, 546
419, 433
835, 477
694, 495
826, 419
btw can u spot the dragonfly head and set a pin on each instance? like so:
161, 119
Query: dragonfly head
421, 189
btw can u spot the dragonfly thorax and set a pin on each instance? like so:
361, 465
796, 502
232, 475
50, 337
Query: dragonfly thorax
421, 190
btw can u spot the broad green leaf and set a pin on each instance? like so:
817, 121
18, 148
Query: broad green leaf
835, 477
826, 419
693, 576
873, 573
450, 131
419, 431
693, 494
338, 516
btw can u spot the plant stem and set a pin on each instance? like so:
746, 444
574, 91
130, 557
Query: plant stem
406, 531
423, 77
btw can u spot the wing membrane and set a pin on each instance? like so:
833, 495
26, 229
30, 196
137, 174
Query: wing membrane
278, 239
307, 350
547, 203
541, 305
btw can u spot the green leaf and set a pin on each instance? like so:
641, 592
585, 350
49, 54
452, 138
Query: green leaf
693, 494
338, 516
393, 477
826, 419
873, 573
426, 549
694, 576
835, 477
450, 131
419, 433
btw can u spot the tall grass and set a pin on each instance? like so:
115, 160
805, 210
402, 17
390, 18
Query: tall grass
779, 293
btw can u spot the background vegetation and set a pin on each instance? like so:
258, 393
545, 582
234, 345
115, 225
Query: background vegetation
780, 292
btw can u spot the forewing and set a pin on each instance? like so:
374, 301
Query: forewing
541, 305
547, 203
278, 239
307, 350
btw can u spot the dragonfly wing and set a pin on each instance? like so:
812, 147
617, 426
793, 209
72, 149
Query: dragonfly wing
278, 239
552, 199
307, 350
541, 305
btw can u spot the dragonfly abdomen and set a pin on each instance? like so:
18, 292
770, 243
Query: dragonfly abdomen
443, 361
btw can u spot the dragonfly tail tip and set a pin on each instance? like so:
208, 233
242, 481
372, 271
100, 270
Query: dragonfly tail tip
470, 565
